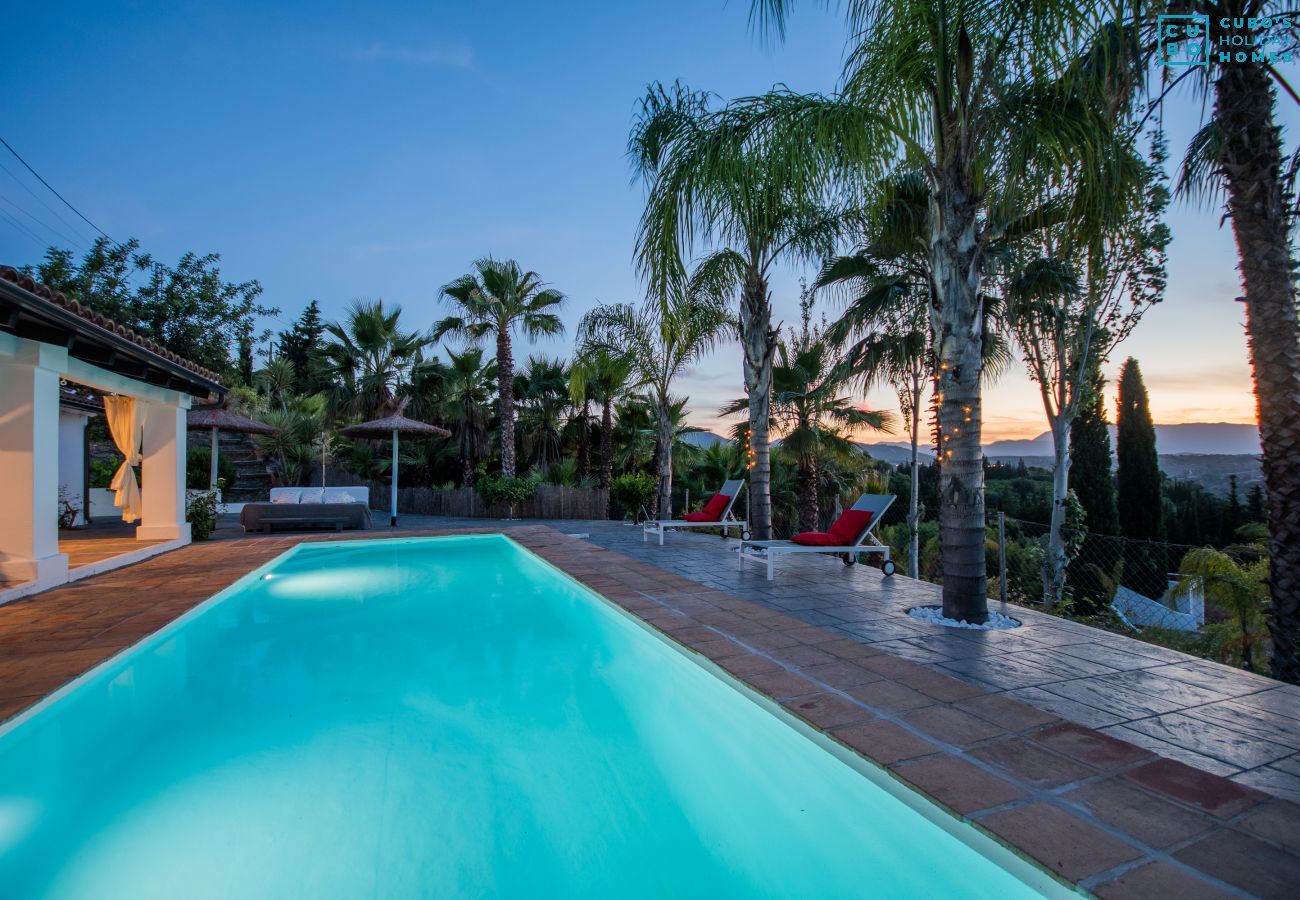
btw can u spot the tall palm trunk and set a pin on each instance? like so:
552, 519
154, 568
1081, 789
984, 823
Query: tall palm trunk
758, 341
914, 494
1252, 164
607, 445
506, 396
664, 458
584, 441
957, 321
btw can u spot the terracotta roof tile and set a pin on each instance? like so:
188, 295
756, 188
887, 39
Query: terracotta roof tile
27, 283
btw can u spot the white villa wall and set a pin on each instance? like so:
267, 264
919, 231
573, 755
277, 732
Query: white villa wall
72, 461
31, 443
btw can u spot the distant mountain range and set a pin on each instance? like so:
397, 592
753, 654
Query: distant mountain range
704, 439
1201, 438
1214, 438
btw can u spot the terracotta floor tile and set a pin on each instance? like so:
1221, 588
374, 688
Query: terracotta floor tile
951, 725
841, 674
1140, 813
1212, 793
780, 684
746, 664
1032, 763
890, 696
827, 711
957, 784
1277, 821
803, 655
1064, 843
1159, 880
1246, 862
1092, 747
884, 742
1010, 714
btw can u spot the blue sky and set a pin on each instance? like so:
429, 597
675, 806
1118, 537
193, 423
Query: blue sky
334, 152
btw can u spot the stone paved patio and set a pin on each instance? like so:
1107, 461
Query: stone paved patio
1213, 717
1099, 811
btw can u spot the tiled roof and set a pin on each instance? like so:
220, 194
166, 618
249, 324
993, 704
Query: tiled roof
27, 283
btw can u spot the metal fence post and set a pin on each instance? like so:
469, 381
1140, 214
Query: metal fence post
1002, 558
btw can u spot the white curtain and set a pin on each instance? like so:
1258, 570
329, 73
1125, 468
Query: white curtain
124, 426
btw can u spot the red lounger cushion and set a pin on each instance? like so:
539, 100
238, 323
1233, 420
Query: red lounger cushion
844, 533
712, 511
850, 525
815, 539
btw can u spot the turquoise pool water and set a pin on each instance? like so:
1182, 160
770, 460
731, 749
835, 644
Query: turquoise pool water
441, 717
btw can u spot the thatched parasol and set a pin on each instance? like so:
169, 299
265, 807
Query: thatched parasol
220, 417
392, 426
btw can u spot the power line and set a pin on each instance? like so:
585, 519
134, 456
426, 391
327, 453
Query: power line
75, 242
20, 226
52, 190
41, 200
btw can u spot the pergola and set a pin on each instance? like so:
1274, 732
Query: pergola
46, 338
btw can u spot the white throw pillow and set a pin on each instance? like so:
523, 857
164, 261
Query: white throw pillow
338, 495
311, 495
285, 495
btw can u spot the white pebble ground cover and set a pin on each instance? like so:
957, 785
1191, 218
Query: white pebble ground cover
934, 615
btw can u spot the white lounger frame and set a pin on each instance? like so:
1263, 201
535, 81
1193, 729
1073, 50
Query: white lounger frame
726, 521
766, 552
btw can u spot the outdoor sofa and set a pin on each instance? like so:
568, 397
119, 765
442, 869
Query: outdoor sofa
304, 508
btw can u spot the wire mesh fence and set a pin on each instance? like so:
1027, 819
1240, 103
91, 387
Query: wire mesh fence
1137, 580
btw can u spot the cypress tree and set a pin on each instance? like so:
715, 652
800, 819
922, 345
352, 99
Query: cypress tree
1137, 477
301, 345
1138, 472
1090, 461
1233, 514
1255, 503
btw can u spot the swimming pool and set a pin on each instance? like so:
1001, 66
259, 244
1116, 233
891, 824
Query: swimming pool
447, 717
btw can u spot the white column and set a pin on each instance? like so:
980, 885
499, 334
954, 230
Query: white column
162, 474
29, 464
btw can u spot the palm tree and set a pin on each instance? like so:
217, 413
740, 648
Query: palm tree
466, 393
543, 392
660, 338
735, 201
813, 419
1238, 589
1239, 154
277, 380
369, 357
601, 376
886, 321
495, 300
980, 98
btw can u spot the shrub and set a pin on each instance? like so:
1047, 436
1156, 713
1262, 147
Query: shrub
198, 469
201, 513
633, 492
495, 489
103, 470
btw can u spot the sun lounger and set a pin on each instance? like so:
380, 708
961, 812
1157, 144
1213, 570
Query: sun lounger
716, 514
847, 537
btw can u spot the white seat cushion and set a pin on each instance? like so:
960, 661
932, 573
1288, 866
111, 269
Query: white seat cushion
312, 495
285, 495
338, 495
